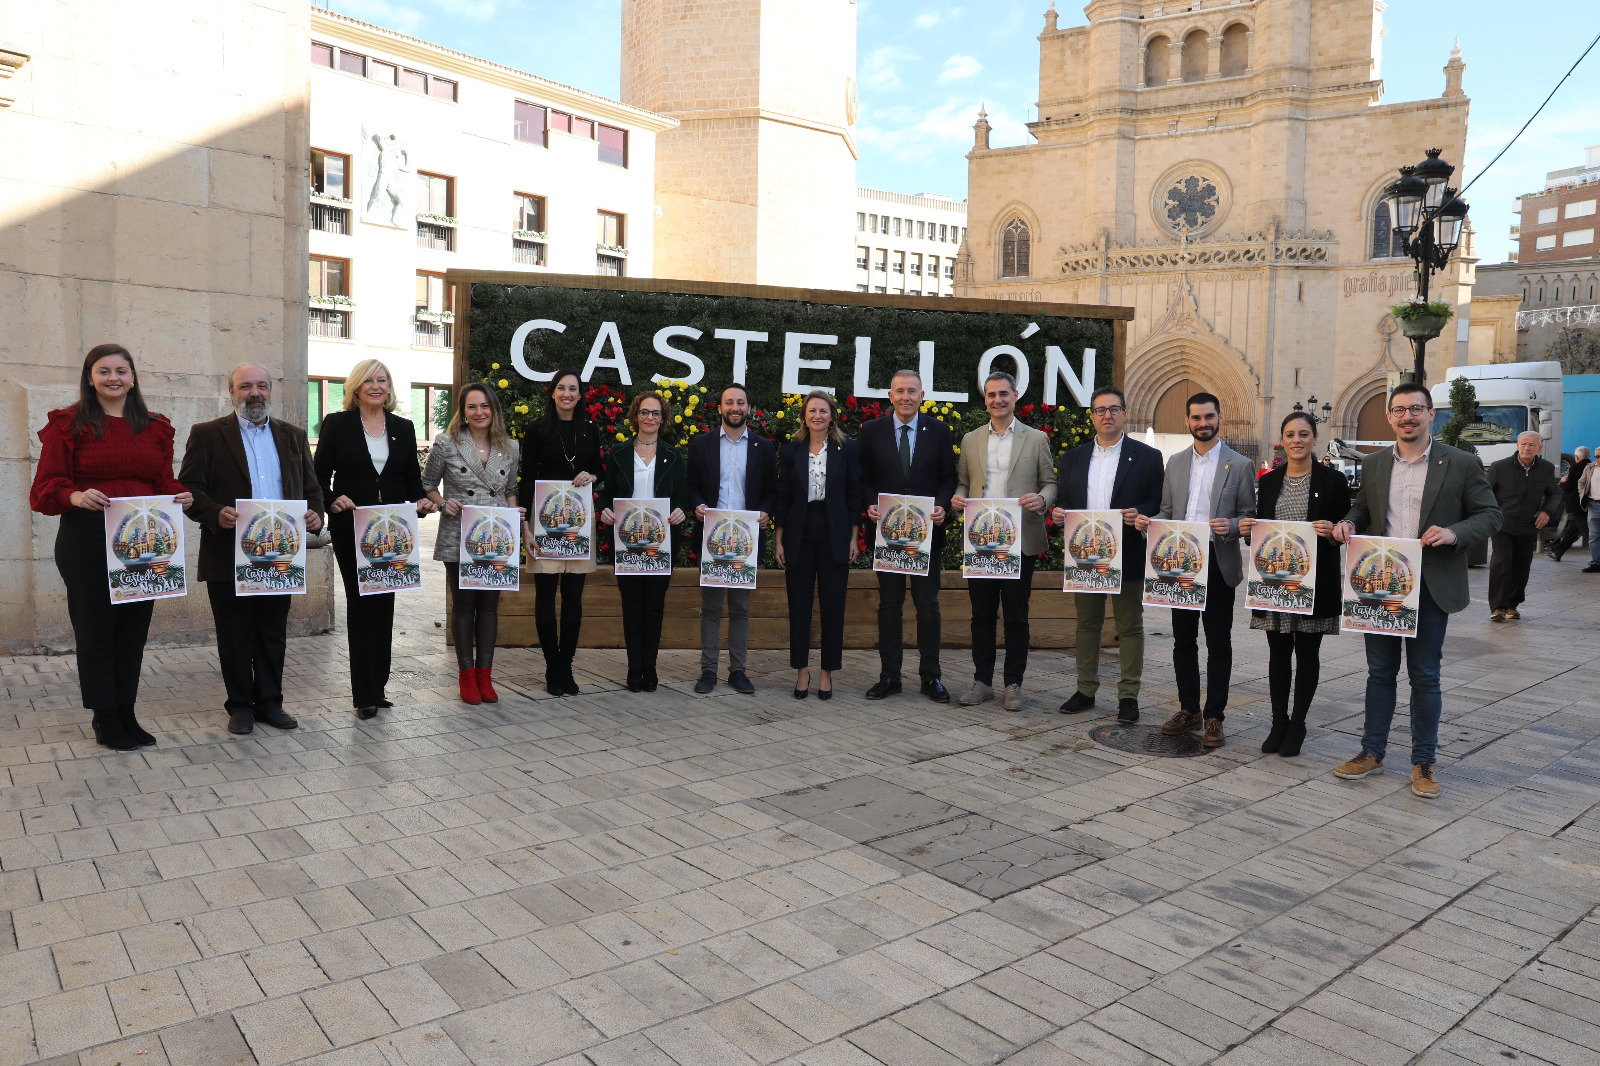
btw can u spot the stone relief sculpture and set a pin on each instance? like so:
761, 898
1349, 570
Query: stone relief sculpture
386, 161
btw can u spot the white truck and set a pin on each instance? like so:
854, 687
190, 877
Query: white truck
1512, 398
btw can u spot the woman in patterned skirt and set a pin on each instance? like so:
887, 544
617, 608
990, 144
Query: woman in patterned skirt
1302, 490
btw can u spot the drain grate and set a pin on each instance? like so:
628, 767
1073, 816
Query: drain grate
1147, 740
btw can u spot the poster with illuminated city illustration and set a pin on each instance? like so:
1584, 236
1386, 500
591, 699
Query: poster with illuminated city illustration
491, 549
1382, 586
991, 539
643, 537
388, 554
729, 543
1283, 567
563, 520
904, 541
1093, 541
144, 549
1180, 559
269, 548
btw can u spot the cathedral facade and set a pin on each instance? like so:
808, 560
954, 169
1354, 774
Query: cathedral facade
1219, 167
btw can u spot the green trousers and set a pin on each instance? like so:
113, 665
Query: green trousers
1128, 611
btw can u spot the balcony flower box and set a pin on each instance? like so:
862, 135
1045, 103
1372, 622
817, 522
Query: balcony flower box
611, 249
528, 235
337, 303
437, 220
330, 198
436, 316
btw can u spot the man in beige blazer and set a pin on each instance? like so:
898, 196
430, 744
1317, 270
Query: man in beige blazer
1004, 460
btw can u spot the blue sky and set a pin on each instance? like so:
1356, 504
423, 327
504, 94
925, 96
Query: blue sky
924, 67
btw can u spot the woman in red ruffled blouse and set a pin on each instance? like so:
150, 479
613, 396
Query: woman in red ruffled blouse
106, 445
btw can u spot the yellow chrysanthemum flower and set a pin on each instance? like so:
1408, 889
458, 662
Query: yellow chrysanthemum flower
494, 366
504, 383
677, 418
622, 436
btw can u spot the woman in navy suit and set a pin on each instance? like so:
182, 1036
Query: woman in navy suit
819, 526
366, 455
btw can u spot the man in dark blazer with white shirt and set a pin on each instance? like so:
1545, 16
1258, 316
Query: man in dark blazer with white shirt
1113, 472
247, 454
907, 453
715, 460
1231, 480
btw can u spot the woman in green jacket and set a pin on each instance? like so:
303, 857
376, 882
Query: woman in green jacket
646, 467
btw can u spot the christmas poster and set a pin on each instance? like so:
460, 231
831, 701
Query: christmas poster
491, 549
991, 539
1093, 542
563, 520
144, 549
1382, 586
1283, 567
730, 541
643, 537
269, 548
388, 554
1180, 558
904, 541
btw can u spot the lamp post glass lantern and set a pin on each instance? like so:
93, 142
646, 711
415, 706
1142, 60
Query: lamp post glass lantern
1309, 408
1428, 219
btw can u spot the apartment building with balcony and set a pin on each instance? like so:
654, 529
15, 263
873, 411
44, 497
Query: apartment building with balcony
1558, 223
423, 159
907, 243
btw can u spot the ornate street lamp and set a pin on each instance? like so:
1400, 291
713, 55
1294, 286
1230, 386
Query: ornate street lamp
1310, 409
1427, 217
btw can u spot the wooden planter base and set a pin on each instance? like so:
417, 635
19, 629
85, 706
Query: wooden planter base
1052, 614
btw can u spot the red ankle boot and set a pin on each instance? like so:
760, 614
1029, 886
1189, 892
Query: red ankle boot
469, 686
485, 688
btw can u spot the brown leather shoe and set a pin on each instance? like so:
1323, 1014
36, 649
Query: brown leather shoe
1513, 614
1213, 734
1423, 783
1363, 765
1182, 722
1497, 615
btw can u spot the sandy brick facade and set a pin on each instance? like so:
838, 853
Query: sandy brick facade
757, 183
1233, 210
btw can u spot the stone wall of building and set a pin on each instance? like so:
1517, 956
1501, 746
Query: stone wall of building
153, 193
1233, 210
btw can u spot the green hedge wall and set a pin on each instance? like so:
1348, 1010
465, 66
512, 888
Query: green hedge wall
960, 339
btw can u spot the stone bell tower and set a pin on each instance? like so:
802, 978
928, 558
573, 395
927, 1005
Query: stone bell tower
757, 183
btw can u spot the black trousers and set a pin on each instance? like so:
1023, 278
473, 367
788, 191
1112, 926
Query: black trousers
644, 604
252, 636
368, 625
474, 621
989, 597
110, 637
1574, 524
891, 624
1218, 621
559, 644
1296, 657
1508, 569
811, 568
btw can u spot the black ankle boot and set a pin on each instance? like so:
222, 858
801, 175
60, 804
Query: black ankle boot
552, 679
131, 726
569, 684
109, 732
1293, 737
1280, 723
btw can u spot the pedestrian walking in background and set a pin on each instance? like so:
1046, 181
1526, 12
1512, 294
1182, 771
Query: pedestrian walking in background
1574, 522
1525, 487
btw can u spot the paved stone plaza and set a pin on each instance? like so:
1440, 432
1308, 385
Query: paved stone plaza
656, 879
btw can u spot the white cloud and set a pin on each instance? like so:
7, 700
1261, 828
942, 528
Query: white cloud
907, 135
879, 70
927, 20
958, 67
399, 17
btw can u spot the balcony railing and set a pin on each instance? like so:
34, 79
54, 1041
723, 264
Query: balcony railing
329, 324
432, 334
327, 218
530, 253
433, 235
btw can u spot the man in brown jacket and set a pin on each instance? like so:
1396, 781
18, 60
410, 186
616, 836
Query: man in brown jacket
247, 455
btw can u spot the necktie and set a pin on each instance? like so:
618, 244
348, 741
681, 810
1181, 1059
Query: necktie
905, 450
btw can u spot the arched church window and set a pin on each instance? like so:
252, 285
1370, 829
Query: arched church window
1384, 241
1015, 245
1156, 54
1591, 292
1235, 50
1541, 294
1194, 56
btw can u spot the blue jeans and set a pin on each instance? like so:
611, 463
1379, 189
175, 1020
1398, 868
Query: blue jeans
1422, 654
1594, 532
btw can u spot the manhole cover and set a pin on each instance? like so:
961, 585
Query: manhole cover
1147, 740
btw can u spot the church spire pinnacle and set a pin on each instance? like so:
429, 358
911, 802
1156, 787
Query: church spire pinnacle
980, 130
1453, 71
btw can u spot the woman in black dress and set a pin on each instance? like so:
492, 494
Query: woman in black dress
646, 467
367, 455
1302, 490
562, 445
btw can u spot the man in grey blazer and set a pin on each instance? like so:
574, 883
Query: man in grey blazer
1212, 483
1417, 489
1004, 460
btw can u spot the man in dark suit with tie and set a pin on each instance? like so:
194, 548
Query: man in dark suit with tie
1113, 472
907, 453
247, 455
730, 470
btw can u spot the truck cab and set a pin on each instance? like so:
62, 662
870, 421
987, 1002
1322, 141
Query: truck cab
1512, 398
